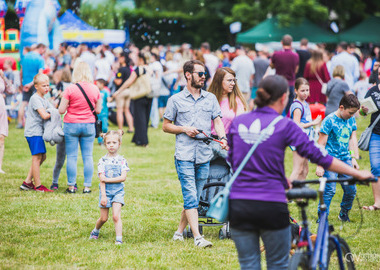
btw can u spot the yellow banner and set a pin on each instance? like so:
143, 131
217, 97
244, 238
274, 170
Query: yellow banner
82, 35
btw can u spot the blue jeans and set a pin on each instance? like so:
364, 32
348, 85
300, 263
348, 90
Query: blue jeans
104, 120
84, 135
277, 247
374, 154
349, 191
192, 177
59, 161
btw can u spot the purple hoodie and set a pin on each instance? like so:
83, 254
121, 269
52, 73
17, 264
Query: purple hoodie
263, 177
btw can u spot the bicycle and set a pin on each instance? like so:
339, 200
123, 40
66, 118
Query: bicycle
329, 250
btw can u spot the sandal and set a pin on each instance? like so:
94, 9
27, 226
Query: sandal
371, 208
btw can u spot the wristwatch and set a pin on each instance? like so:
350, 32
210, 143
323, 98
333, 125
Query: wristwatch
223, 138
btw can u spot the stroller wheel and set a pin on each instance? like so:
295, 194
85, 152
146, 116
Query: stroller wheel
187, 233
223, 233
184, 233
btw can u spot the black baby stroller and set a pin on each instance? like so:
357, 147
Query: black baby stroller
219, 175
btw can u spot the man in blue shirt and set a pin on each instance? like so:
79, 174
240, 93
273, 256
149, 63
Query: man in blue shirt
31, 64
186, 112
337, 133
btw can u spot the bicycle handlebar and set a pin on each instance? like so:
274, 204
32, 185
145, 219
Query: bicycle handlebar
348, 181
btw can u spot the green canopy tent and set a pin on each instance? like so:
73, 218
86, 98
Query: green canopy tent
270, 30
365, 32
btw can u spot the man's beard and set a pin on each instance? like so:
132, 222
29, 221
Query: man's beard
198, 85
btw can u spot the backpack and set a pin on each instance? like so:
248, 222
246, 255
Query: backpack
302, 111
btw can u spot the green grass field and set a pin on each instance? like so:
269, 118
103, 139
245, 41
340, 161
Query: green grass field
50, 231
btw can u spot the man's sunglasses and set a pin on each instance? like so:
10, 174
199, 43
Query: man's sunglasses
200, 74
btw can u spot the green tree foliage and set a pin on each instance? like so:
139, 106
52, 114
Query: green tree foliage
288, 11
195, 21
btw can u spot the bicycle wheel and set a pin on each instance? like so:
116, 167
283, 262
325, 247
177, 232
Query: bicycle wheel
298, 261
332, 257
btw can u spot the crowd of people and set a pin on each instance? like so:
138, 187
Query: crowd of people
232, 93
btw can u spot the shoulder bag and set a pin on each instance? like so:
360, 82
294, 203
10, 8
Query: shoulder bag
98, 123
324, 85
141, 86
219, 204
365, 137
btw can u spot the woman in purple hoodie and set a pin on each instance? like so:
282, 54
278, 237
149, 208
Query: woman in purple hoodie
258, 206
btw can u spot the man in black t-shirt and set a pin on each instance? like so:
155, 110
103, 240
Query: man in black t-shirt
122, 100
304, 55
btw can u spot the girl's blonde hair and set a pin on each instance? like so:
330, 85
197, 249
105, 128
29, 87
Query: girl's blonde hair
118, 133
216, 88
40, 77
82, 73
338, 71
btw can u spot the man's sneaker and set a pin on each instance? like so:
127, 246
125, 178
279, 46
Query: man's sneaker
27, 186
54, 187
178, 236
42, 188
344, 217
94, 235
200, 241
118, 242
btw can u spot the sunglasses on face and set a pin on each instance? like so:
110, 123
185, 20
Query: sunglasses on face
200, 74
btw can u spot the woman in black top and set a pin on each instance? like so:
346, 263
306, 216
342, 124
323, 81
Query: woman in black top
142, 106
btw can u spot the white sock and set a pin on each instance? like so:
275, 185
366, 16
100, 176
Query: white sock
119, 238
96, 230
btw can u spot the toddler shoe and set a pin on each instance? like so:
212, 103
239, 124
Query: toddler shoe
54, 187
94, 235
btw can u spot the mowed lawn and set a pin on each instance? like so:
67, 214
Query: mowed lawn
51, 230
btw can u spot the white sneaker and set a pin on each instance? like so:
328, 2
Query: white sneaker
177, 236
202, 242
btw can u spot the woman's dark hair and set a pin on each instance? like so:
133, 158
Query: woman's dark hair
142, 56
349, 101
271, 88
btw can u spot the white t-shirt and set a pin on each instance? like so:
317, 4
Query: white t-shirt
88, 58
212, 63
244, 68
361, 88
103, 69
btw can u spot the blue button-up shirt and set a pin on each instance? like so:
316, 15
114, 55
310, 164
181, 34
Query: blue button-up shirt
183, 110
